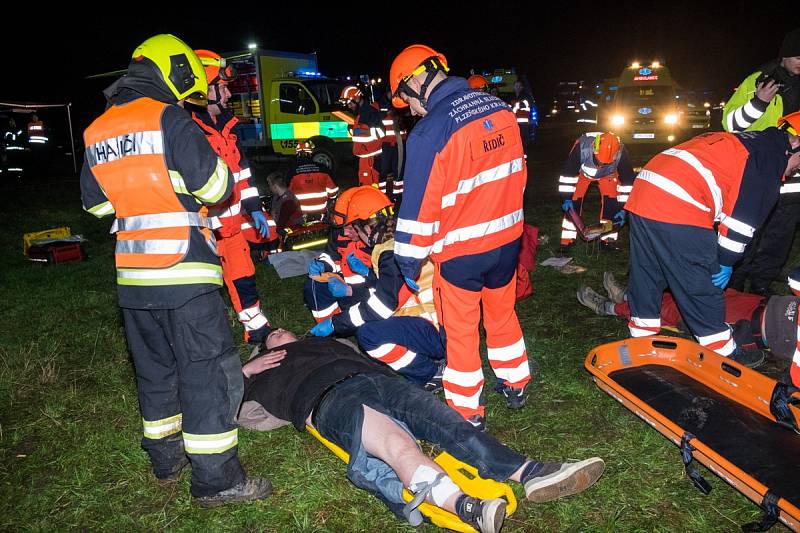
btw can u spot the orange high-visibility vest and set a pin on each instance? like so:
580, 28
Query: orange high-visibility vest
125, 150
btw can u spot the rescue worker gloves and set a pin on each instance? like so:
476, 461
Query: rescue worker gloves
177, 64
619, 218
356, 265
316, 268
413, 61
721, 278
260, 222
339, 289
566, 206
323, 329
412, 284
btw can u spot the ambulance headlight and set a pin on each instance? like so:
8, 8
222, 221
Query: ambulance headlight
617, 120
671, 118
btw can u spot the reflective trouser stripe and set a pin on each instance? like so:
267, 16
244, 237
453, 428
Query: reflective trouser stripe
568, 231
158, 429
212, 443
505, 345
324, 314
721, 342
397, 357
642, 327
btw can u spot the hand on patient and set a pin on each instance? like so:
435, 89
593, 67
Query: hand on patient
263, 362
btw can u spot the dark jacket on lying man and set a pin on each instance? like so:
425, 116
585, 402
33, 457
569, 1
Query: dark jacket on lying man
312, 366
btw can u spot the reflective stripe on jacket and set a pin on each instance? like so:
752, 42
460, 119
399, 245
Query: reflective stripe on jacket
464, 178
125, 152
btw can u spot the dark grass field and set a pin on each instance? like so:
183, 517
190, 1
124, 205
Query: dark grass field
70, 426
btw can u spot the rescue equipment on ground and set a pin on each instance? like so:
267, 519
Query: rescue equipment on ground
593, 232
53, 246
464, 475
740, 424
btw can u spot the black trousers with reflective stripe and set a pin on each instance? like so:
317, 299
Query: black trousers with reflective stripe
186, 363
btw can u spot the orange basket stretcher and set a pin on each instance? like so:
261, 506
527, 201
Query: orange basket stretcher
740, 424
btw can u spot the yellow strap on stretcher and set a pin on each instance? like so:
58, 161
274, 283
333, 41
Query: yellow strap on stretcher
462, 474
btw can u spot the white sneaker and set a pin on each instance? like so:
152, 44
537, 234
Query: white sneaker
556, 480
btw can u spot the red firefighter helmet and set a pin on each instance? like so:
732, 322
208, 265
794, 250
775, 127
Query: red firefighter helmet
304, 147
216, 67
605, 147
790, 123
476, 81
414, 60
338, 213
350, 93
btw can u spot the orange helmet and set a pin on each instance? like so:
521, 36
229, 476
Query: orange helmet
366, 203
304, 147
338, 213
414, 60
790, 123
349, 93
216, 67
605, 147
476, 81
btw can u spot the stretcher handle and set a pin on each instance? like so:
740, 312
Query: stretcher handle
686, 454
770, 517
779, 406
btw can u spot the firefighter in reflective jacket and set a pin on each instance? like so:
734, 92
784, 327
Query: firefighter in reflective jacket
760, 100
242, 207
149, 164
393, 324
595, 158
522, 104
465, 177
677, 198
368, 134
344, 257
311, 183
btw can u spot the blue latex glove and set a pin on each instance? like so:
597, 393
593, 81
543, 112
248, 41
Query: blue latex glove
721, 278
260, 222
566, 206
323, 329
356, 265
337, 288
619, 218
412, 284
316, 267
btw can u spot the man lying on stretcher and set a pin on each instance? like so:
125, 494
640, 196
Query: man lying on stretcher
376, 416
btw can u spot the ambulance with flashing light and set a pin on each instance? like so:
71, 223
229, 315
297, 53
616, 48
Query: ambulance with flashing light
281, 98
645, 108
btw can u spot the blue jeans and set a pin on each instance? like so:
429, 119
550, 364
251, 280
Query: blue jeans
339, 420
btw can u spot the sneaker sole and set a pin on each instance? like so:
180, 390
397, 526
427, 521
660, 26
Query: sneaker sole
576, 478
210, 504
496, 511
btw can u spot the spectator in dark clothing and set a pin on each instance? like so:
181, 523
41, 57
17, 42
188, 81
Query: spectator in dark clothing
285, 208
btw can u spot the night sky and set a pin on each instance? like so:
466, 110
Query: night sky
707, 45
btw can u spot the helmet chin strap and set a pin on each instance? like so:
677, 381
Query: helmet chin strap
215, 101
423, 101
